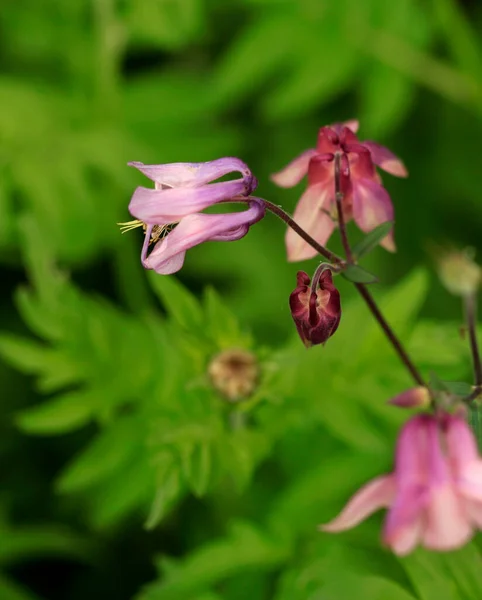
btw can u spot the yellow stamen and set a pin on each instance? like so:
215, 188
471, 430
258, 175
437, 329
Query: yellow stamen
130, 225
158, 231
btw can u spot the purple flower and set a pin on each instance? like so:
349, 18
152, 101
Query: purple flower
171, 212
365, 199
316, 312
434, 495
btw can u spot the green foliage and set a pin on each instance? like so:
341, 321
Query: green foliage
357, 274
372, 239
109, 418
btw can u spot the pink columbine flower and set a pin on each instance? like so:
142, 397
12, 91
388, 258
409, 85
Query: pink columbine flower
365, 199
171, 211
434, 495
316, 312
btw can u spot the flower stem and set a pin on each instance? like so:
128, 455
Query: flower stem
388, 331
471, 319
362, 289
341, 218
284, 216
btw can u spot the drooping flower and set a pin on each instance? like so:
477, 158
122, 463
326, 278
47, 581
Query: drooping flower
364, 197
316, 309
434, 495
171, 212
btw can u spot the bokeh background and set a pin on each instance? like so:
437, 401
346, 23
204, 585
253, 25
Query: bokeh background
125, 474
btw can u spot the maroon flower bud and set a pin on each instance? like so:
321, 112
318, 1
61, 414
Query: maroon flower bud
315, 309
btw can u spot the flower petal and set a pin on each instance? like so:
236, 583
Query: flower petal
469, 480
447, 525
406, 538
194, 174
371, 206
464, 457
411, 463
473, 509
294, 172
309, 214
376, 494
352, 124
161, 207
385, 159
168, 254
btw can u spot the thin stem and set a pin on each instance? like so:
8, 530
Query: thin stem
362, 289
388, 331
341, 218
284, 216
320, 269
471, 319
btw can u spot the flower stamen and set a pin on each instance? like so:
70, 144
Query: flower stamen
130, 225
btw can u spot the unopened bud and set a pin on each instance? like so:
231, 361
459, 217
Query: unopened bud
316, 313
459, 274
418, 397
234, 373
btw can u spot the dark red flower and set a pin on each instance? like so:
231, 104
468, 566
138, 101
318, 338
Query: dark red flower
316, 309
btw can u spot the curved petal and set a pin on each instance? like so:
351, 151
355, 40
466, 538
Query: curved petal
168, 254
411, 461
294, 172
461, 443
473, 509
145, 245
386, 160
447, 524
404, 516
464, 457
371, 206
194, 174
352, 124
161, 207
310, 215
376, 494
406, 538
469, 480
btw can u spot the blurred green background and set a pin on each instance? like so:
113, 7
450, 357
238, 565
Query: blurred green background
124, 473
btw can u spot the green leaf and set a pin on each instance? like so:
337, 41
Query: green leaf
35, 541
371, 240
168, 490
222, 325
245, 548
358, 586
198, 468
108, 452
357, 274
12, 591
429, 576
460, 388
60, 415
475, 422
179, 302
464, 566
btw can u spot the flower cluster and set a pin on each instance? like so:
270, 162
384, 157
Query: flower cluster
434, 495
